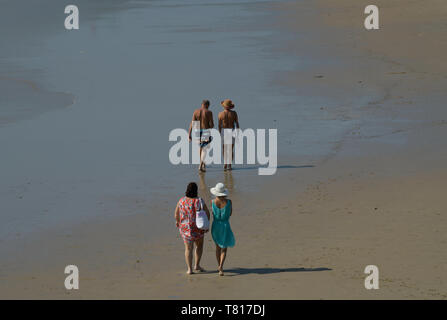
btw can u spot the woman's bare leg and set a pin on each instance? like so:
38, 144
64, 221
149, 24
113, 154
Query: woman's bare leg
218, 255
198, 255
223, 255
188, 256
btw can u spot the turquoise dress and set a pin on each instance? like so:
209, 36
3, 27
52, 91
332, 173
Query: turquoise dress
220, 229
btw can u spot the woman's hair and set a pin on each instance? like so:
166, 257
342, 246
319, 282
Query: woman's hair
191, 190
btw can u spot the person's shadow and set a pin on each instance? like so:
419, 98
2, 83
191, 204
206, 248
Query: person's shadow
278, 167
241, 271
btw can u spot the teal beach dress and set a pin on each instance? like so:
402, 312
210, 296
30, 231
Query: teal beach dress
220, 229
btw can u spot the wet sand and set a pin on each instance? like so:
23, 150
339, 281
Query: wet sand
19, 96
376, 198
315, 244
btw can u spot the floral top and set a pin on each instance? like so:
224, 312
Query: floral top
187, 210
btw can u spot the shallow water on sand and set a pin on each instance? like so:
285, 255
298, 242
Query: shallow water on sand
135, 71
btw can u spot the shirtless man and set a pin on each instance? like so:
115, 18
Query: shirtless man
205, 117
228, 119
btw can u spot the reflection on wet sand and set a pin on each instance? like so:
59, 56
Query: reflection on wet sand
229, 181
23, 99
204, 187
204, 192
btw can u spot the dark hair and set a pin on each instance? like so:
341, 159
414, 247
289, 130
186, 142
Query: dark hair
191, 190
206, 102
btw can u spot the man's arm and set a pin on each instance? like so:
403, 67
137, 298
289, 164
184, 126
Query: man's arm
219, 119
236, 120
211, 120
190, 125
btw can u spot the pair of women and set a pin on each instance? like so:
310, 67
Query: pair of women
185, 216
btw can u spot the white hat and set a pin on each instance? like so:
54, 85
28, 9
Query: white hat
219, 190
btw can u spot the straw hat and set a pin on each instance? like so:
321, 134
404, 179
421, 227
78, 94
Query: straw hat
219, 190
227, 104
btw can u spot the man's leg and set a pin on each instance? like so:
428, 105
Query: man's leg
201, 155
232, 156
227, 156
223, 154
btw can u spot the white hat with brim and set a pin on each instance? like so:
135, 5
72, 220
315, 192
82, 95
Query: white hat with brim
219, 190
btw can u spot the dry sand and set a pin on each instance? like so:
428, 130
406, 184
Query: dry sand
378, 199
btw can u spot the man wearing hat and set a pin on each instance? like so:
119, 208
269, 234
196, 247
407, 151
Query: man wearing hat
228, 119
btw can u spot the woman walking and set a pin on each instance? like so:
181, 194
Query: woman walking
220, 229
185, 217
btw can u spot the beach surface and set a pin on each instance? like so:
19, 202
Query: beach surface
371, 193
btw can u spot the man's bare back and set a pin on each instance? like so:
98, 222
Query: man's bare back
205, 117
228, 120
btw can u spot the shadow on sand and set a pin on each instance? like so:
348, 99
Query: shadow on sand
241, 271
279, 167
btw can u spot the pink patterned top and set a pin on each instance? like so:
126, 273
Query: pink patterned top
188, 228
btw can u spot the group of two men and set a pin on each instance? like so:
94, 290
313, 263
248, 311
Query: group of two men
228, 119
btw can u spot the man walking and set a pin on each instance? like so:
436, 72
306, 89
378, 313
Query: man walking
205, 118
228, 119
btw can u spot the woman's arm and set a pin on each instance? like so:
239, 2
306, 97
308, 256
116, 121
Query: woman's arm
206, 210
177, 216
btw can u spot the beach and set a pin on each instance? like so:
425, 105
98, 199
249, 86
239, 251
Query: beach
362, 152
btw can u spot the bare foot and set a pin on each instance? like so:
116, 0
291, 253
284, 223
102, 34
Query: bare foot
221, 273
189, 272
199, 269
